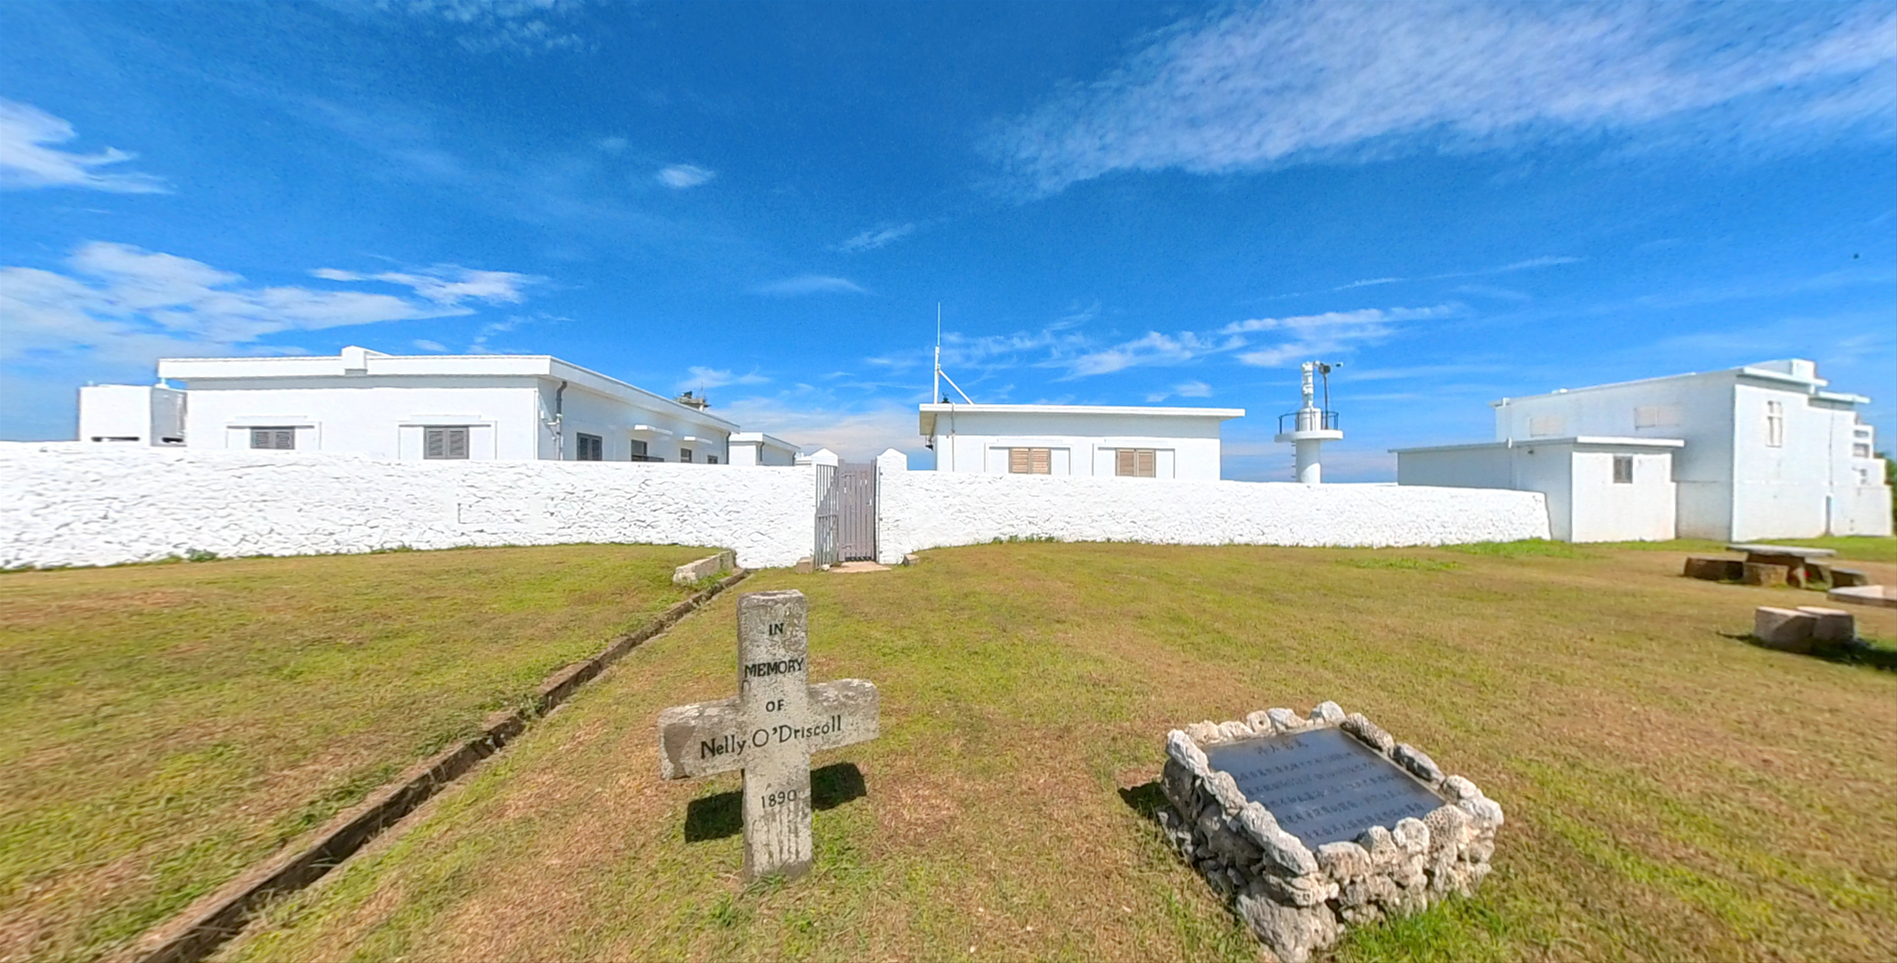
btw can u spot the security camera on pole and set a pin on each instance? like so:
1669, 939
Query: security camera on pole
1311, 426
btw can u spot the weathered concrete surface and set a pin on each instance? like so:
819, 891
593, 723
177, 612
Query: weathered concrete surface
1832, 625
710, 565
1788, 630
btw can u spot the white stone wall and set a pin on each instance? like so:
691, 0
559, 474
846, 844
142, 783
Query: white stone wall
81, 504
71, 503
922, 509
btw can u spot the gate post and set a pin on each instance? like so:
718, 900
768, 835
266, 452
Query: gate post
888, 551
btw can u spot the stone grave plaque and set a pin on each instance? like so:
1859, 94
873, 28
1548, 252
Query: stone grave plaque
1323, 785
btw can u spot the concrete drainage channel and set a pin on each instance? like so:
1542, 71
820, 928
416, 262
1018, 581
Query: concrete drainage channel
202, 927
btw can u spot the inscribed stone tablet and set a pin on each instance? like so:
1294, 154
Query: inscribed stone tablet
1322, 785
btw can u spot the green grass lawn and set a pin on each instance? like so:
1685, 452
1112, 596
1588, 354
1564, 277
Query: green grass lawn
168, 725
1672, 791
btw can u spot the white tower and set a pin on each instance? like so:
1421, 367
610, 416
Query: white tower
1312, 427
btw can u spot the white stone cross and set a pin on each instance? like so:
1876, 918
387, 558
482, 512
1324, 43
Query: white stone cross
769, 730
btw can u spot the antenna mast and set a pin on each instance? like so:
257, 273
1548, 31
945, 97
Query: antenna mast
941, 375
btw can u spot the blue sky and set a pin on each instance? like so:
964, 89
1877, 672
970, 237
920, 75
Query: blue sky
1115, 204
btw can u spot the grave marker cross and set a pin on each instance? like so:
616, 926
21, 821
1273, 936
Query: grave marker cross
769, 730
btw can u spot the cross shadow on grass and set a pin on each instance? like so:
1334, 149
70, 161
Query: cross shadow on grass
1871, 655
722, 815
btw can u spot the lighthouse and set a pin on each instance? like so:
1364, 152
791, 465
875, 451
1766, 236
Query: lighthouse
1311, 426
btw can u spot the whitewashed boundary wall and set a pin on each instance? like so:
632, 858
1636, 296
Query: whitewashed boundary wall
87, 504
925, 509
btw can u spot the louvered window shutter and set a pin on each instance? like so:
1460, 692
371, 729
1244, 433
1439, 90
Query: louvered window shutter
432, 443
1124, 463
1146, 460
1018, 461
1041, 462
457, 442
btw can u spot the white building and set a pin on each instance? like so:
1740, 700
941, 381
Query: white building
1764, 451
140, 414
758, 448
1598, 489
419, 407
1178, 443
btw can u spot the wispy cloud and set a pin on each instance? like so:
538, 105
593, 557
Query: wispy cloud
447, 284
1258, 86
811, 284
805, 419
120, 303
1153, 348
29, 159
708, 378
874, 238
1189, 389
1529, 264
427, 345
681, 176
1330, 333
516, 26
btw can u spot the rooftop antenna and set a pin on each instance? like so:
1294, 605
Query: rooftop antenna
941, 375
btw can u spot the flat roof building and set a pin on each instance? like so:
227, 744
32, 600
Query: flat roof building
1098, 440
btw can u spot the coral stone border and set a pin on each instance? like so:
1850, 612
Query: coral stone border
1299, 902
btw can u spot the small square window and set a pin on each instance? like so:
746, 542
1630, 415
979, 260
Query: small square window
279, 438
445, 443
685, 454
638, 450
711, 459
1623, 469
592, 448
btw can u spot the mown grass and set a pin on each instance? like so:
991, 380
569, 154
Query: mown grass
168, 725
1672, 792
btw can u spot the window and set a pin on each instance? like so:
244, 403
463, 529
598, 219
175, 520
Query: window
1030, 461
280, 438
445, 442
1860, 449
711, 459
592, 448
1657, 416
685, 454
1774, 424
1134, 462
638, 451
1623, 469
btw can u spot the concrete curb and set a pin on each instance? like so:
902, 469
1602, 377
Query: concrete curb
200, 928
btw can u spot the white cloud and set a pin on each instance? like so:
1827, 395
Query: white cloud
1334, 332
447, 284
1257, 86
518, 26
1193, 389
872, 239
123, 304
28, 159
1151, 349
708, 378
427, 345
812, 284
682, 176
856, 434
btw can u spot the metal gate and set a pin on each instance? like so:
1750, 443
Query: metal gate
856, 512
829, 501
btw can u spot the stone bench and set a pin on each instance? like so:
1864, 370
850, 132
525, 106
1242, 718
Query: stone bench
1797, 630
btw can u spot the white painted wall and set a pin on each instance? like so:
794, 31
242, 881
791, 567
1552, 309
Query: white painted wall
367, 403
758, 448
934, 509
1602, 510
83, 504
1081, 442
142, 414
1732, 484
1576, 476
